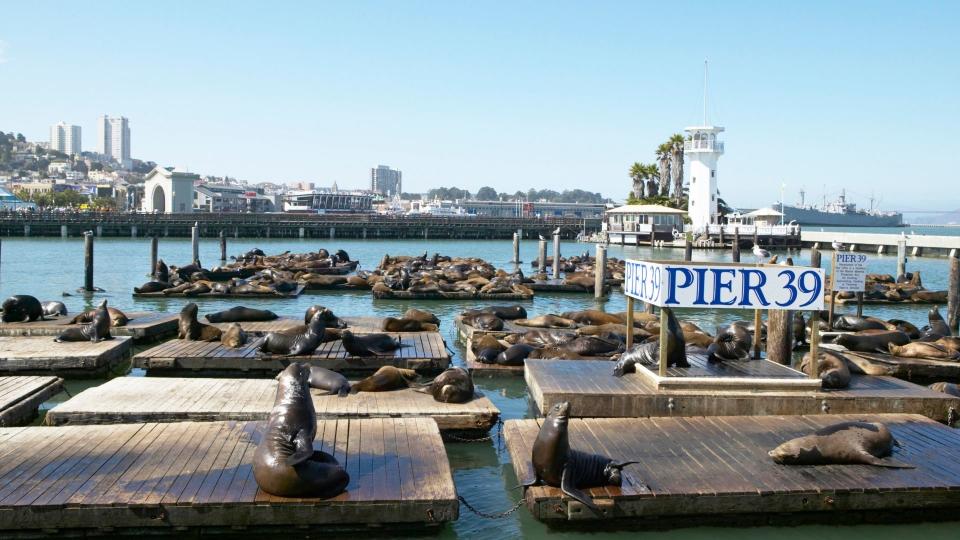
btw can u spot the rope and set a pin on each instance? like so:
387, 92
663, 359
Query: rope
485, 515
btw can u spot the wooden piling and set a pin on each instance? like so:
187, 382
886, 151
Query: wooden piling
195, 242
901, 258
223, 246
653, 237
687, 249
516, 249
542, 254
154, 249
599, 273
629, 322
815, 343
860, 304
780, 336
88, 261
735, 247
815, 255
757, 333
953, 296
556, 256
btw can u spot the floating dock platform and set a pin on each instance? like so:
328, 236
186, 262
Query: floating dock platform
593, 391
130, 400
198, 476
21, 396
465, 331
142, 326
559, 286
424, 351
715, 470
440, 295
42, 355
247, 296
918, 370
354, 324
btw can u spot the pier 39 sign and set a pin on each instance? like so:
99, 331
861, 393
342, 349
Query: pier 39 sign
724, 286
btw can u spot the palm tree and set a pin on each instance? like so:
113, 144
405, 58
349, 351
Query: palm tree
638, 173
676, 164
663, 163
653, 179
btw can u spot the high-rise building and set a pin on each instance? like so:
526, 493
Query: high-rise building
113, 139
65, 138
385, 180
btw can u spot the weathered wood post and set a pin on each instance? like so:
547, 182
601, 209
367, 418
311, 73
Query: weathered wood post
556, 256
815, 344
953, 295
599, 273
653, 237
815, 255
88, 261
757, 333
687, 249
735, 247
195, 242
901, 258
516, 249
860, 304
721, 235
223, 246
780, 336
154, 248
542, 255
629, 322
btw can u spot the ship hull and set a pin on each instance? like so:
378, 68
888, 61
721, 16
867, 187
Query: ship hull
804, 216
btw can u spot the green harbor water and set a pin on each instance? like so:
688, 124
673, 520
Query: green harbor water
49, 267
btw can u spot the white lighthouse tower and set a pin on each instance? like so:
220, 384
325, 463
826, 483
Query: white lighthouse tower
701, 151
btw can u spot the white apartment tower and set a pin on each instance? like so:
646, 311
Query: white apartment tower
701, 151
113, 139
65, 138
386, 181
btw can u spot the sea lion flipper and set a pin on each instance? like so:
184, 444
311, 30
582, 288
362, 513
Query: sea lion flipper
891, 463
304, 448
568, 487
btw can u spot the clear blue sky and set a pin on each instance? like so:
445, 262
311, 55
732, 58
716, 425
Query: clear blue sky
558, 95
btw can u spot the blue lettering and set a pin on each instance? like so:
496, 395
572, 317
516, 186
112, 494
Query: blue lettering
700, 300
673, 285
757, 289
643, 282
719, 285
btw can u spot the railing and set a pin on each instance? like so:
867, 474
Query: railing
715, 146
761, 230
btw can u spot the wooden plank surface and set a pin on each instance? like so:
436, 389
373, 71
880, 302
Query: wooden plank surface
21, 396
143, 325
354, 324
711, 469
593, 391
25, 355
191, 475
424, 351
171, 399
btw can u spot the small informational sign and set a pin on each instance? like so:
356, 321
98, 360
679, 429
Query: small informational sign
849, 272
727, 286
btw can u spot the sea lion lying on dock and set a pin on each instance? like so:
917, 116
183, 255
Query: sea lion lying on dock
420, 315
386, 379
846, 443
504, 312
852, 323
331, 381
483, 321
613, 329
515, 354
486, 348
152, 287
190, 329
454, 385
731, 343
921, 349
391, 324
543, 337
872, 340
117, 317
948, 388
592, 317
233, 337
649, 353
97, 330
285, 463
832, 367
556, 464
21, 307
369, 344
54, 309
241, 314
547, 321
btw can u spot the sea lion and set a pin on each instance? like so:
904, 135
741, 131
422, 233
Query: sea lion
483, 321
592, 316
54, 309
301, 343
946, 387
920, 349
853, 323
117, 317
929, 296
872, 340
329, 319
543, 337
547, 321
369, 344
241, 314
161, 273
732, 343
594, 346
331, 381
507, 312
846, 443
385, 379
799, 330
649, 352
233, 337
97, 330
420, 315
832, 366
454, 385
191, 329
486, 341
613, 329
285, 463
21, 307
950, 343
514, 355
937, 324
556, 464
487, 355
906, 327
152, 287
391, 324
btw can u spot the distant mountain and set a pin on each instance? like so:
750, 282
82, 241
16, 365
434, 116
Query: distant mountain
950, 218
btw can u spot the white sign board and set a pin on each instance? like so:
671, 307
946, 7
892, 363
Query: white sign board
849, 272
695, 285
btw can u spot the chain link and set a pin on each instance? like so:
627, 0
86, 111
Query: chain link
490, 437
485, 515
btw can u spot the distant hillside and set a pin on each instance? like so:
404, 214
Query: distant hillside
949, 218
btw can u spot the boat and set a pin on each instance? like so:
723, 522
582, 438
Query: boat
838, 213
438, 209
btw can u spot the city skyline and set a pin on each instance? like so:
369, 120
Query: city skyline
558, 98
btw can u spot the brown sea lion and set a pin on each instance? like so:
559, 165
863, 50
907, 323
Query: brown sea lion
98, 329
391, 324
547, 321
640, 318
22, 307
733, 342
649, 353
832, 366
117, 317
329, 319
585, 283
937, 324
385, 379
929, 296
592, 317
950, 343
483, 321
556, 464
298, 344
946, 387
357, 281
420, 315
846, 443
594, 346
233, 337
872, 340
369, 344
613, 329
190, 329
919, 349
486, 341
699, 339
285, 463
454, 385
543, 337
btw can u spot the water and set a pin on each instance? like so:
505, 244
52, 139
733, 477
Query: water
47, 267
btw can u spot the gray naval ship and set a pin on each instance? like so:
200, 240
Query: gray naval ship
839, 213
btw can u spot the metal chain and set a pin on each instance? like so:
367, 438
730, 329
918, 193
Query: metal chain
484, 438
499, 515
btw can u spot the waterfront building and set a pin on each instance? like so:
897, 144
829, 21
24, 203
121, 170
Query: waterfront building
630, 223
701, 151
65, 138
386, 181
534, 209
166, 191
230, 198
328, 201
113, 139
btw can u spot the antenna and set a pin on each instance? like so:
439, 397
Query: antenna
704, 92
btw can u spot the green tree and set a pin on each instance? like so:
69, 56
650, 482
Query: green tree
486, 193
637, 174
663, 164
676, 165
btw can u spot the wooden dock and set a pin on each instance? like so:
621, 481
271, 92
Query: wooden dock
753, 375
21, 396
424, 351
169, 399
240, 296
198, 476
466, 332
715, 470
559, 286
42, 355
918, 370
440, 295
354, 324
489, 370
593, 391
143, 326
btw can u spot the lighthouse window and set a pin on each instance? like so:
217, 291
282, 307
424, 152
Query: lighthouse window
713, 174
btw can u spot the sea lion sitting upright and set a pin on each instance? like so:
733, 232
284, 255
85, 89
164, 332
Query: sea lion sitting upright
54, 309
832, 367
946, 387
369, 344
233, 337
301, 343
285, 463
329, 319
556, 464
732, 343
97, 330
454, 385
846, 443
241, 314
420, 315
649, 353
799, 330
161, 273
331, 381
385, 379
21, 307
937, 324
191, 329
